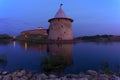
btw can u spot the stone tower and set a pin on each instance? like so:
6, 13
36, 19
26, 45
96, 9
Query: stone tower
60, 27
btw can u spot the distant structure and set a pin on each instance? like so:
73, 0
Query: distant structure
39, 33
60, 27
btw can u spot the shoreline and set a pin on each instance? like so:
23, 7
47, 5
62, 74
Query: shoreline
89, 75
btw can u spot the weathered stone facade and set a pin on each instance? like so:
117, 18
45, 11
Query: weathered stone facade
60, 27
34, 34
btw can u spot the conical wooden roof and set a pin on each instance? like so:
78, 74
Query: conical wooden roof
60, 14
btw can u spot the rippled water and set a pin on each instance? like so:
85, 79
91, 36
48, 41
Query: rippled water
62, 58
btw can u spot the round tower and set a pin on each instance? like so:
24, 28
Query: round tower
60, 27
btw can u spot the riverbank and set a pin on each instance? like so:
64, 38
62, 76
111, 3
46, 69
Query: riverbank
89, 75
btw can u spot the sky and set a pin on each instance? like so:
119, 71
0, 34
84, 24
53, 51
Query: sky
91, 17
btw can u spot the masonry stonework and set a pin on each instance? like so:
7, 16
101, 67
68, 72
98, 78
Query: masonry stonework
60, 27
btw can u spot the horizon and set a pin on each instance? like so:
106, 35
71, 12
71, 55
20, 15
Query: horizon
90, 17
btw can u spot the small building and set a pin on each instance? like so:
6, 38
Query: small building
60, 27
39, 33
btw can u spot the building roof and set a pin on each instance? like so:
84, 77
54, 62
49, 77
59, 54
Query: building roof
35, 31
60, 14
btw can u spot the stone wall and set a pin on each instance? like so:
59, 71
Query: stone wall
34, 34
60, 29
36, 31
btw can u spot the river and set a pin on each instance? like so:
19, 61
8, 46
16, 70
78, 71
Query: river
62, 58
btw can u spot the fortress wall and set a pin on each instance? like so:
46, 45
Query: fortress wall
60, 29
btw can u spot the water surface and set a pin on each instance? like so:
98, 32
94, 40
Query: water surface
63, 58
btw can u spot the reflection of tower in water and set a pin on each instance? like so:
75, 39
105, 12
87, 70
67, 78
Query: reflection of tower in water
54, 57
60, 57
64, 50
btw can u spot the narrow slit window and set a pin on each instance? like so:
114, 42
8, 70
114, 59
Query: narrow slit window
62, 26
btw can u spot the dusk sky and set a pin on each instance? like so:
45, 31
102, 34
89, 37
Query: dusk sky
91, 17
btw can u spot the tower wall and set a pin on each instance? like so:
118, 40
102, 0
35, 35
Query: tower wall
60, 29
